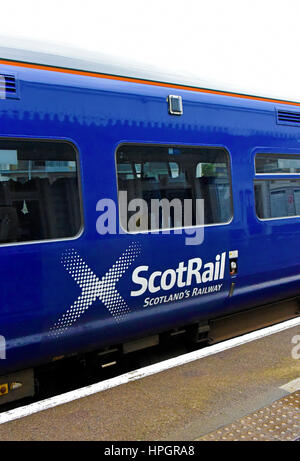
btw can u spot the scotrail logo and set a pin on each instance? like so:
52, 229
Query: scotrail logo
193, 272
93, 288
183, 276
205, 278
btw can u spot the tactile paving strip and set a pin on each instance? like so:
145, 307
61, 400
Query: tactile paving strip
278, 421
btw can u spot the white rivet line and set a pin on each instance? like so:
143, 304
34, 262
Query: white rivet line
52, 402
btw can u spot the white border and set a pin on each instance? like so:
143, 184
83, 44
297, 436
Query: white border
52, 402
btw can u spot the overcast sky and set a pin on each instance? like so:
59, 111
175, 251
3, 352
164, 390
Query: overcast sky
245, 44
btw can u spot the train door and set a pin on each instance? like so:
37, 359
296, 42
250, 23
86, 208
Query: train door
276, 233
177, 203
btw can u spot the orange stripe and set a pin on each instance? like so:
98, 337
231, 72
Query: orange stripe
138, 80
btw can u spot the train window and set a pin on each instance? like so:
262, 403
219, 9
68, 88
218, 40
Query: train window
39, 191
277, 198
155, 173
277, 164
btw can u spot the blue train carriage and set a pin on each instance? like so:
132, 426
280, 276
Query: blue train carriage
85, 155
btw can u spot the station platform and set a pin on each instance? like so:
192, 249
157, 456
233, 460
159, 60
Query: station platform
278, 421
237, 394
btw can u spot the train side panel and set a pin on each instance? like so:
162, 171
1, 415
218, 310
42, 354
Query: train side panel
72, 295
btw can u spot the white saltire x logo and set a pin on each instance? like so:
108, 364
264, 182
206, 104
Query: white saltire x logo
94, 288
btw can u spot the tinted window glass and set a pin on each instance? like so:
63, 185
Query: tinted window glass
277, 198
39, 193
277, 164
182, 173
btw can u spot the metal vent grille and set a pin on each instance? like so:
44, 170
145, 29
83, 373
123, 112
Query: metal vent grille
8, 87
285, 117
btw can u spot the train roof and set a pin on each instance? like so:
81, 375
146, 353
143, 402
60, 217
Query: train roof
79, 60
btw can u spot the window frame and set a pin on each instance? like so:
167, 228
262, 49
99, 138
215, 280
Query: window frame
172, 145
79, 181
260, 177
265, 154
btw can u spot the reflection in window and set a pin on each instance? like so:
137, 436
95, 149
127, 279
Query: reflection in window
39, 193
277, 164
277, 198
158, 172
